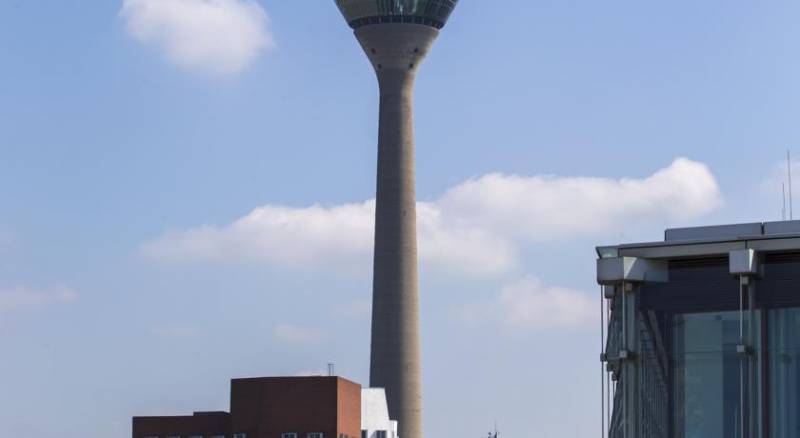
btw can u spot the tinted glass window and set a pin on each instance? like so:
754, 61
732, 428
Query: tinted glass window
438, 10
784, 372
712, 382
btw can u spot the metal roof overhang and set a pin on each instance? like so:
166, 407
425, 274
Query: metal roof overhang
702, 248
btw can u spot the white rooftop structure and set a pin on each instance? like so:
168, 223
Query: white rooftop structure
375, 421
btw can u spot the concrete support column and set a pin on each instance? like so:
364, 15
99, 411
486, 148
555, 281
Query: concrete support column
396, 51
395, 357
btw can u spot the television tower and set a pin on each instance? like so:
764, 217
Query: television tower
396, 35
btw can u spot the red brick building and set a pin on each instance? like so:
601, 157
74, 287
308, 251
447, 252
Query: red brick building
270, 407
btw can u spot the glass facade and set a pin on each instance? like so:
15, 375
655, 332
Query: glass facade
360, 13
713, 383
706, 353
784, 373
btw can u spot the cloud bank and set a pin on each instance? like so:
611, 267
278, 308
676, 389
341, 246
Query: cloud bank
543, 208
476, 227
529, 305
220, 37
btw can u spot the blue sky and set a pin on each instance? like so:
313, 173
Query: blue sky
185, 196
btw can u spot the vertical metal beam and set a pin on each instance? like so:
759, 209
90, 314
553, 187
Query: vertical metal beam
629, 360
743, 355
763, 379
753, 359
602, 364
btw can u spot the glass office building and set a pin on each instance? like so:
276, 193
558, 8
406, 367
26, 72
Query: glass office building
701, 334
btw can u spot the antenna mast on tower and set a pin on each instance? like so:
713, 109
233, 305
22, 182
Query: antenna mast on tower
789, 170
783, 206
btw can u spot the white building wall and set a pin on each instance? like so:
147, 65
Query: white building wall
375, 413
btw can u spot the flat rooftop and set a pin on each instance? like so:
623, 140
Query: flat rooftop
711, 241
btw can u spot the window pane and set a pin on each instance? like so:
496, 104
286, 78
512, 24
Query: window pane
711, 377
784, 372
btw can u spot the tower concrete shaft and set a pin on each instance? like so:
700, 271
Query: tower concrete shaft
396, 50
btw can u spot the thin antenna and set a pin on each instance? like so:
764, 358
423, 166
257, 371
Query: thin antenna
331, 369
783, 208
791, 200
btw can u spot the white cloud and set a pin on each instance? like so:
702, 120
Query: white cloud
275, 235
476, 227
292, 334
21, 299
454, 243
220, 37
542, 208
529, 305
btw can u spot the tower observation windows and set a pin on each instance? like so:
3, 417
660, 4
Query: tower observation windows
365, 12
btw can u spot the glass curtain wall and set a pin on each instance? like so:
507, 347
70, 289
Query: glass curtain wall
784, 372
653, 385
711, 380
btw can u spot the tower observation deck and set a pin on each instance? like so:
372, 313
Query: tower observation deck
427, 12
396, 35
